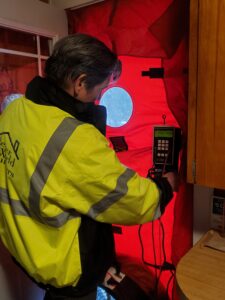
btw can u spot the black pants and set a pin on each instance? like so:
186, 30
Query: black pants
127, 289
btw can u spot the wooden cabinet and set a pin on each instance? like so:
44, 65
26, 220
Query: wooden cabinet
206, 112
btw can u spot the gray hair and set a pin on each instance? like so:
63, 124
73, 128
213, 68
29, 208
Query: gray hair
79, 54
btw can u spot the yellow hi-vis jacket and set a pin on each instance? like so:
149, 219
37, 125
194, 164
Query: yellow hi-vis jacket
53, 169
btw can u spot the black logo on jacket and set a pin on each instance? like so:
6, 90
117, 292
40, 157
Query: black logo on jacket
8, 151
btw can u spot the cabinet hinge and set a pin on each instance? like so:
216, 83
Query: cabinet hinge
194, 169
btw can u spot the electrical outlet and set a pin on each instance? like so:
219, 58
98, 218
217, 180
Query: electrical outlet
218, 213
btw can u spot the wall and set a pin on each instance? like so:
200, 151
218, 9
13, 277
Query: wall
38, 17
34, 14
202, 211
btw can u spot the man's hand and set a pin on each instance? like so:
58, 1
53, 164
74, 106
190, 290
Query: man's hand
173, 180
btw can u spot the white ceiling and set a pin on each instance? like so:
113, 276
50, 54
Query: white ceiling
73, 4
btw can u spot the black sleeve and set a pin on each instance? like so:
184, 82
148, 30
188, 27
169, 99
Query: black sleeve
166, 192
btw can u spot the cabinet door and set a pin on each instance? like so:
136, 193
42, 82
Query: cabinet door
207, 93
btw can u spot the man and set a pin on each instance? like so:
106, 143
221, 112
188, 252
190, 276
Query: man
61, 185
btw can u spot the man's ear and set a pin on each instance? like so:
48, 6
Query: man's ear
79, 83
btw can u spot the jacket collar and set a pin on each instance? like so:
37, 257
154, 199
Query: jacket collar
45, 92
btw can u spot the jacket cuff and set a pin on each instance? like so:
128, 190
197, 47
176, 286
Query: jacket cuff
166, 192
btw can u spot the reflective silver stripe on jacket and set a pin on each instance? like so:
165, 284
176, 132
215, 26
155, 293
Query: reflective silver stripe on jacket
44, 168
157, 213
17, 206
114, 196
40, 176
